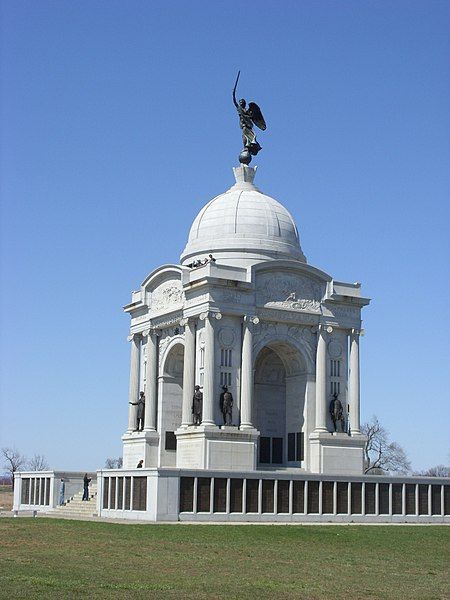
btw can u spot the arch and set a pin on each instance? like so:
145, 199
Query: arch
280, 384
292, 346
170, 400
164, 351
169, 271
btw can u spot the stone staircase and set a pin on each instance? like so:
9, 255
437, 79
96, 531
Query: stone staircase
75, 507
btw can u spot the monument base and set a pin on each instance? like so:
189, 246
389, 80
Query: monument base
140, 445
210, 447
336, 453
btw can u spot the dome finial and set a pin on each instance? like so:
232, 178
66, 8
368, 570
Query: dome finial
244, 174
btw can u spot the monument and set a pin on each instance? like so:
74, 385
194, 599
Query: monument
244, 396
245, 313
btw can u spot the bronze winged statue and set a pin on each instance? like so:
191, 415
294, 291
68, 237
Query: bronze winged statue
248, 116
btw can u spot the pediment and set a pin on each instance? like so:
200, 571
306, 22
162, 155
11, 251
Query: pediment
164, 290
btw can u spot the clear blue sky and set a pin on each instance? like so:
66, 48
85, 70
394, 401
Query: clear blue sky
117, 126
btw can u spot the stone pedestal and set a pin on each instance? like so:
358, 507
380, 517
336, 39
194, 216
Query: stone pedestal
140, 445
336, 453
227, 448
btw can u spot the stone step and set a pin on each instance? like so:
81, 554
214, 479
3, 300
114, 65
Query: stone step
75, 509
76, 506
71, 515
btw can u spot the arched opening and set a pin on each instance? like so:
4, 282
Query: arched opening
171, 404
279, 402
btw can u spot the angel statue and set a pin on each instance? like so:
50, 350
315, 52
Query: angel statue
248, 116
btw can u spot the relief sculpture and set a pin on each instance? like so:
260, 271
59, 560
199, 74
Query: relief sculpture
168, 294
293, 292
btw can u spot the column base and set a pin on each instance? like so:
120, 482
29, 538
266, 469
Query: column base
206, 447
140, 445
336, 453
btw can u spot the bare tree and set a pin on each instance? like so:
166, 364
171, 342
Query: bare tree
13, 461
437, 471
381, 454
37, 463
114, 463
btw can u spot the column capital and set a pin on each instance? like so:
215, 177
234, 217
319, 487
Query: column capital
210, 315
251, 319
188, 320
151, 332
134, 336
357, 332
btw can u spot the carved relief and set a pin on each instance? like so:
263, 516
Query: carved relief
168, 294
293, 317
227, 337
264, 330
304, 334
335, 349
293, 292
163, 322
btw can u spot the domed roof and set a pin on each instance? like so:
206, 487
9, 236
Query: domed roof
243, 225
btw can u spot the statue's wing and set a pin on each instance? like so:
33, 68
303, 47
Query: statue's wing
256, 115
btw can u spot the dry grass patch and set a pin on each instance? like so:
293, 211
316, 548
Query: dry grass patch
6, 497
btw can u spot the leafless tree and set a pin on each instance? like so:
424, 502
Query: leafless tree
381, 454
37, 463
114, 463
13, 461
437, 471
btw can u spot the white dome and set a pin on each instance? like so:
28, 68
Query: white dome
243, 226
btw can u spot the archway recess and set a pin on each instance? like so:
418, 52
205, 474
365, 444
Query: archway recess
279, 403
170, 403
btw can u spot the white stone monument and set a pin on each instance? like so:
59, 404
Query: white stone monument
245, 310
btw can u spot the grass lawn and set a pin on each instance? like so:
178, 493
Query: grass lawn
49, 558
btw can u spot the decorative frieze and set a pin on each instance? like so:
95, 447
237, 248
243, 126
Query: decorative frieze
271, 314
164, 322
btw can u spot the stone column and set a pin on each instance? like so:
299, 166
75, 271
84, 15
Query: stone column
134, 380
151, 395
209, 387
354, 383
188, 372
321, 381
247, 376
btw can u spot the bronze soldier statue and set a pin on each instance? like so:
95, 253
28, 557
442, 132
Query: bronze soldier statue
197, 405
140, 412
337, 414
248, 116
226, 406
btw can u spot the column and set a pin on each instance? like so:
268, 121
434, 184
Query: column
247, 376
209, 384
321, 381
354, 384
151, 392
134, 380
188, 372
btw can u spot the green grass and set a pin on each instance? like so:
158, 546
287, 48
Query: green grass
49, 558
